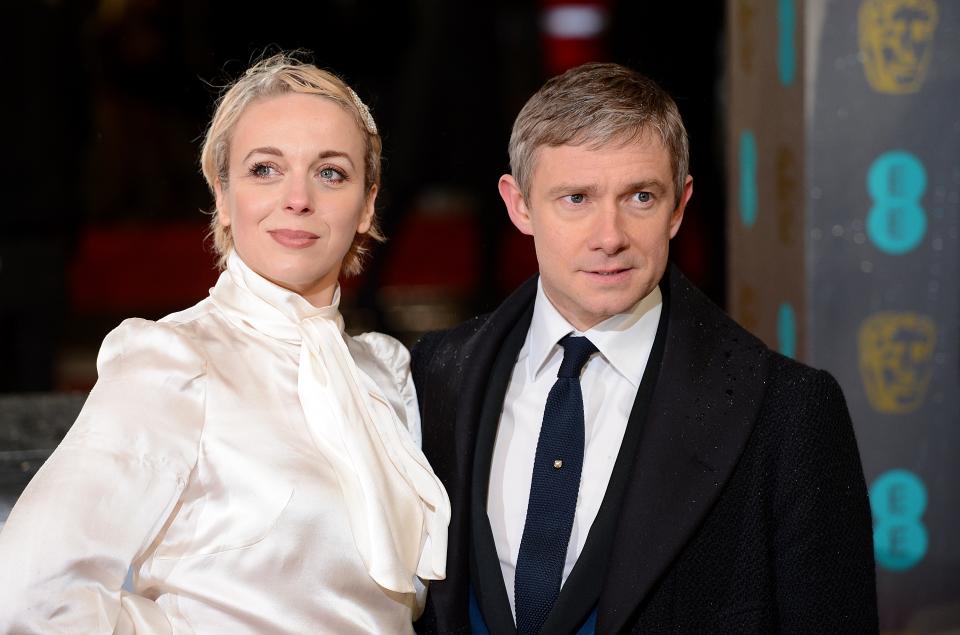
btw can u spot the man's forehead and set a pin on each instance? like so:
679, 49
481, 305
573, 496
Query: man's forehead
645, 136
647, 148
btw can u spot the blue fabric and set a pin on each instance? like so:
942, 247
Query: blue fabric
553, 492
590, 625
477, 625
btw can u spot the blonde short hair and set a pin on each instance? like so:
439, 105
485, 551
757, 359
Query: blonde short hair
276, 75
596, 104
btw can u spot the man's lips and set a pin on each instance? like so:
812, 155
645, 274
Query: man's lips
608, 276
295, 238
607, 272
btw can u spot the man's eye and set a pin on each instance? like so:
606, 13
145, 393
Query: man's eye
644, 197
576, 199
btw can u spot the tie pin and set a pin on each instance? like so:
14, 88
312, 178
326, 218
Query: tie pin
557, 464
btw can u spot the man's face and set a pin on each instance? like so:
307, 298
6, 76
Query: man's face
601, 220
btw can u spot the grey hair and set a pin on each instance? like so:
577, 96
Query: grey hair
596, 104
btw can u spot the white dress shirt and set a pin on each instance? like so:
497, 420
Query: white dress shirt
609, 382
256, 466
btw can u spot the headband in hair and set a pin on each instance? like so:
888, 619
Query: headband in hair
364, 112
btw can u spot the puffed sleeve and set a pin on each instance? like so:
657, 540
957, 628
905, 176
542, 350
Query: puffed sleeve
103, 496
395, 358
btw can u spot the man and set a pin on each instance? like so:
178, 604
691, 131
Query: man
620, 455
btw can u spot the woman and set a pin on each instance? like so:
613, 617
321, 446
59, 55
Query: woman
256, 469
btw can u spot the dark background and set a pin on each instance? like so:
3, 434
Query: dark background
109, 100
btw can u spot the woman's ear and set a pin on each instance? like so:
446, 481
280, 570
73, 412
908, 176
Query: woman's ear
223, 214
369, 208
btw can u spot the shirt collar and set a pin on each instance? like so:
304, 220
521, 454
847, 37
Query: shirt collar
625, 339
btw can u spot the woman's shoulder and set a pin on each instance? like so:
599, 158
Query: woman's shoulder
388, 351
392, 362
149, 397
171, 343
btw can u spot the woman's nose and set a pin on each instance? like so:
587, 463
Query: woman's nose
297, 197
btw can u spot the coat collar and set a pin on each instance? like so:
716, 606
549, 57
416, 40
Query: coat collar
478, 356
702, 412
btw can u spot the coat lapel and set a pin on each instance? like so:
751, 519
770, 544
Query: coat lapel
476, 357
486, 575
701, 413
452, 451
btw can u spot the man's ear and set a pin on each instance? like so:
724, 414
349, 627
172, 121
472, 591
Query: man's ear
676, 216
223, 214
366, 220
516, 206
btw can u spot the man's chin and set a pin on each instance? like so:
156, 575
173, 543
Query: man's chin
603, 308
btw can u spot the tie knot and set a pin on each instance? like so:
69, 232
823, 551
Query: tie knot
576, 351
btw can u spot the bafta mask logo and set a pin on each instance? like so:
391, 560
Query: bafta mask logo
896, 360
896, 40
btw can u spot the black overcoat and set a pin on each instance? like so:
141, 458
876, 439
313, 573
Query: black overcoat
743, 506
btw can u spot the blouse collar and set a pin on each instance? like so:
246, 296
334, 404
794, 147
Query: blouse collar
397, 507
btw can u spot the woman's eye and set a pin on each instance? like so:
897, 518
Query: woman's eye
331, 174
262, 170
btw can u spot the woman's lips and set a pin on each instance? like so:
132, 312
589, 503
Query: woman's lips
293, 238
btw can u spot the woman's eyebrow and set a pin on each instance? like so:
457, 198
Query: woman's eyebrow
329, 154
264, 150
323, 154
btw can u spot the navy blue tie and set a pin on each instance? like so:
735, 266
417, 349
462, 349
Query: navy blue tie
553, 492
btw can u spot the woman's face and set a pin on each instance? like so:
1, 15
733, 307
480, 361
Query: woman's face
295, 196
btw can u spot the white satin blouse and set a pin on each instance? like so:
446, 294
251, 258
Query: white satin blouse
258, 469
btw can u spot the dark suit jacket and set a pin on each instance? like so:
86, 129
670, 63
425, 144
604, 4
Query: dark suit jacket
742, 505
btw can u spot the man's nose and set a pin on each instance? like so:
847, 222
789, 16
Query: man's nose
608, 234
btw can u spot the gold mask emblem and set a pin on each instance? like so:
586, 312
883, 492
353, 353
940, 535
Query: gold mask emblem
896, 40
896, 360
